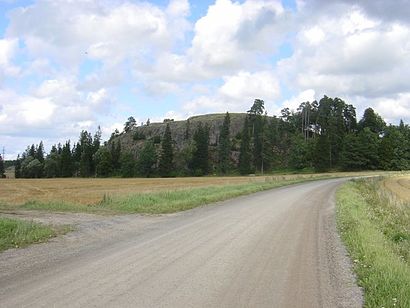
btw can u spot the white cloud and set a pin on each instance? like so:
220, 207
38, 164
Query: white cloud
237, 93
71, 31
354, 56
230, 31
8, 49
294, 102
245, 86
395, 108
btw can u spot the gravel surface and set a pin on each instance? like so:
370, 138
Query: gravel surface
277, 248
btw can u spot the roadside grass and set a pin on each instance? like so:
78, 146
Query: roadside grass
375, 226
18, 233
168, 201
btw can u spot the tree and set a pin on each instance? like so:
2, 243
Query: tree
147, 160
200, 159
224, 146
167, 155
66, 161
39, 153
245, 151
299, 152
115, 149
17, 168
257, 134
129, 124
394, 149
85, 145
103, 162
373, 121
2, 170
257, 108
322, 158
34, 169
127, 165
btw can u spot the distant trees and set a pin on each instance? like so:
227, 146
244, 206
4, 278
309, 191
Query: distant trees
224, 146
129, 124
200, 158
2, 169
166, 167
245, 156
147, 160
320, 135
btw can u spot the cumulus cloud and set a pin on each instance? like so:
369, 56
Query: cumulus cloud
8, 49
349, 55
397, 10
116, 33
237, 93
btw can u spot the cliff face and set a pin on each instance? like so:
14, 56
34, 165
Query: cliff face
182, 132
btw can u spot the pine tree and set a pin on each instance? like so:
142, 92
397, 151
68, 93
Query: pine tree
2, 170
200, 159
115, 150
86, 159
40, 152
146, 161
127, 165
167, 155
66, 161
17, 167
103, 162
245, 150
224, 147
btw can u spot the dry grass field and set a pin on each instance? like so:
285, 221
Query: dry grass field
91, 191
400, 186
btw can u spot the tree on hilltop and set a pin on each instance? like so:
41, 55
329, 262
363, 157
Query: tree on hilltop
167, 155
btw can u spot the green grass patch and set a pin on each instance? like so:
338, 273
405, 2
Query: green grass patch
375, 228
18, 233
168, 201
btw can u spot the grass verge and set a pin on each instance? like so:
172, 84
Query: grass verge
167, 201
375, 226
18, 233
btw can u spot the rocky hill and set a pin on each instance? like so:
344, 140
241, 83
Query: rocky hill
181, 131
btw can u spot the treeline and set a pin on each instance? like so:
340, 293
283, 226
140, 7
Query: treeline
2, 168
320, 136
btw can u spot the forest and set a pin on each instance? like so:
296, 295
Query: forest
319, 136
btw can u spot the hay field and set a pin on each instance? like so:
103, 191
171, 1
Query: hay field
91, 191
400, 186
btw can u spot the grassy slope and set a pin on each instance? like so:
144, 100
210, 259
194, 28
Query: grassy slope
375, 229
166, 201
17, 233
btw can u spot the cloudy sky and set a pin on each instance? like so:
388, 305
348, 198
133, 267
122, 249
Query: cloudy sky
70, 65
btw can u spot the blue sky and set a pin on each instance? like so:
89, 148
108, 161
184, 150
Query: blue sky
71, 65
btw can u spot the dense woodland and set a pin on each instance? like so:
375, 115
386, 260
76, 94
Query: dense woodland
318, 136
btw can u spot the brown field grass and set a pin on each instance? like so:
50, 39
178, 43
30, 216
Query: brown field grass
90, 191
400, 186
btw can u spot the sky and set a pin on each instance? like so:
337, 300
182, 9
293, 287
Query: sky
72, 65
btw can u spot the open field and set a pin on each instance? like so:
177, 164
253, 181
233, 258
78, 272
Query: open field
91, 191
375, 226
400, 186
152, 196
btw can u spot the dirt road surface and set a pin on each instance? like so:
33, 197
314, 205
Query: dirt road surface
277, 248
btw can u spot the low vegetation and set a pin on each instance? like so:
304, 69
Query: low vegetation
18, 233
168, 200
375, 226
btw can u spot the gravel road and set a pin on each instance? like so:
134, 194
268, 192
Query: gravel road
277, 248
